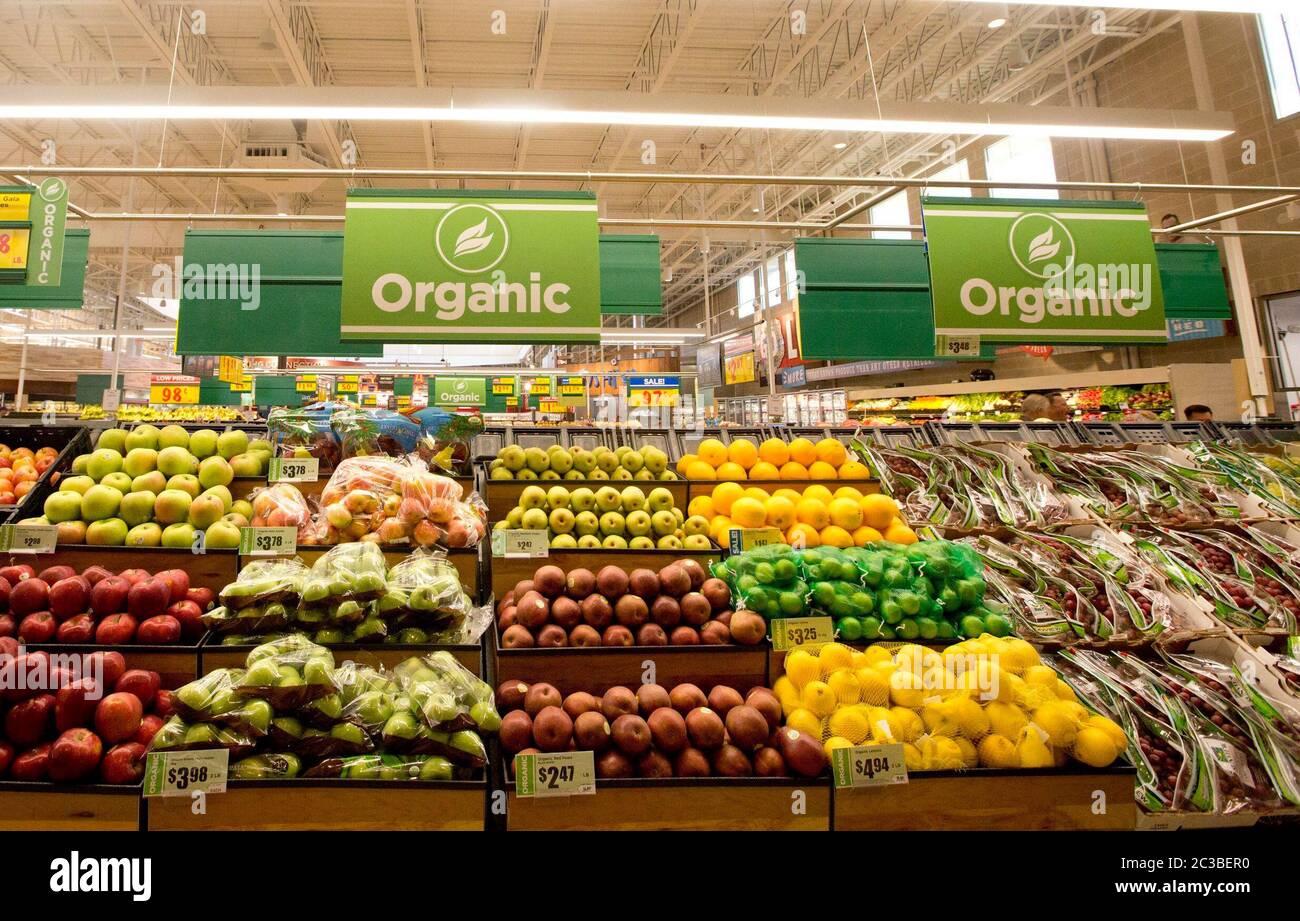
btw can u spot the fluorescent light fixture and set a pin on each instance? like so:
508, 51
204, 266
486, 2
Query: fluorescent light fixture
1191, 6
839, 145
40, 103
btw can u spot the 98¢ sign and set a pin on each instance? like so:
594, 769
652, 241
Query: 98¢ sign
173, 389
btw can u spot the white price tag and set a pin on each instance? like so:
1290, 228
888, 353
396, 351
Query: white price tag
514, 542
293, 470
186, 773
28, 538
868, 766
268, 541
555, 774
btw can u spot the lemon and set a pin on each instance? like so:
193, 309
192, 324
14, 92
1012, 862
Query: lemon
818, 697
801, 667
833, 743
806, 722
877, 654
912, 757
939, 753
873, 687
1005, 719
849, 723
940, 719
1094, 747
724, 495
1032, 751
1065, 692
844, 685
972, 721
1058, 722
1041, 675
907, 724
859, 659
1020, 655
997, 751
905, 690
969, 756
878, 511
787, 694
835, 656
1111, 728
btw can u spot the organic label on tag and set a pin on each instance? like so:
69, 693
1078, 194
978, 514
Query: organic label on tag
293, 470
268, 541
555, 774
869, 766
185, 773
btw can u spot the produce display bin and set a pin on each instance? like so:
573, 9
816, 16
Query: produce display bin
507, 571
70, 440
303, 804
240, 487
466, 560
503, 495
705, 487
1246, 818
680, 804
214, 569
69, 807
176, 664
993, 800
213, 655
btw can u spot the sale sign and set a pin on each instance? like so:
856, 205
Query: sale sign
651, 390
173, 389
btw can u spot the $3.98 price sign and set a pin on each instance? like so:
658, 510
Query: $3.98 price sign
185, 773
789, 632
555, 774
268, 541
868, 766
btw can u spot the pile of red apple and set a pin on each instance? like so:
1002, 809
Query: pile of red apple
679, 606
655, 732
75, 729
57, 605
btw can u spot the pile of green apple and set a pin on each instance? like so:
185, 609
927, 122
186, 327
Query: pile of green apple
155, 487
626, 519
556, 463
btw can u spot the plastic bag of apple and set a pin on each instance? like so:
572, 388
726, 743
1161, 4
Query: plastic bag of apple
63, 724
59, 605
394, 501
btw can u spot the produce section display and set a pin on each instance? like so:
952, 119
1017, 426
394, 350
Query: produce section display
657, 732
431, 438
774, 459
808, 518
136, 412
1087, 404
20, 468
608, 517
291, 712
557, 463
677, 605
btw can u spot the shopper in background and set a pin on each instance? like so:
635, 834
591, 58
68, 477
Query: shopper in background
1198, 412
1171, 220
1057, 409
1035, 408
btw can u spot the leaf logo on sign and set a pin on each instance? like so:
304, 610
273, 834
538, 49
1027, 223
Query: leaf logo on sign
473, 239
1042, 246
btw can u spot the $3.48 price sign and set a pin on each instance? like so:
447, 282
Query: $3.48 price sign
789, 632
555, 774
294, 470
868, 766
957, 346
268, 541
185, 773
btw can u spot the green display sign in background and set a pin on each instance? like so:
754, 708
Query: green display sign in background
445, 266
1012, 270
69, 293
459, 391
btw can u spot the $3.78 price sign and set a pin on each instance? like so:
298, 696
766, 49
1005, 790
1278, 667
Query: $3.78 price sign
555, 774
294, 470
268, 541
868, 766
185, 773
789, 632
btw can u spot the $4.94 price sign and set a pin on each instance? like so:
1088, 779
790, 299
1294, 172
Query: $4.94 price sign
184, 773
293, 470
789, 632
555, 774
268, 541
868, 766
28, 538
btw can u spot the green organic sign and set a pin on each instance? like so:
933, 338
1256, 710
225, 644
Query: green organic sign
1043, 271
438, 266
49, 211
459, 391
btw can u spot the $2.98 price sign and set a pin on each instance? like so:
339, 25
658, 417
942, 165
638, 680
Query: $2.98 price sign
185, 773
555, 774
28, 538
268, 541
868, 766
789, 632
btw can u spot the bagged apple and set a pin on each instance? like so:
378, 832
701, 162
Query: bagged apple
247, 622
424, 590
281, 505
178, 735
385, 767
447, 696
348, 572
371, 432
289, 673
339, 740
269, 766
306, 432
264, 581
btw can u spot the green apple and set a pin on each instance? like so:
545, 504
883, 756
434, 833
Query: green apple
561, 520
119, 481
401, 725
245, 465
144, 535
436, 767
319, 670
606, 460
669, 542
557, 497
501, 473
564, 542
221, 535
139, 461
172, 506
222, 493
255, 713
111, 532
561, 461
582, 499
79, 464
153, 481
172, 436
77, 484
583, 461
632, 499
103, 462
696, 542
612, 523
621, 451
548, 475
575, 475
638, 522
535, 519
512, 456
598, 474
532, 497
515, 517
643, 474
622, 473
588, 542
586, 523
373, 708
351, 733
329, 635
100, 502
205, 511
63, 506
243, 507
608, 499
290, 678
537, 460
176, 460
668, 475
187, 483
656, 461
137, 507
485, 716
632, 461
178, 536
227, 444
663, 523
261, 674
696, 525
144, 436
526, 474
641, 542
113, 440
261, 445
214, 471
660, 499
201, 734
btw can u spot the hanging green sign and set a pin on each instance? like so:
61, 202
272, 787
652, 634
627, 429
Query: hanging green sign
459, 391
444, 266
1043, 271
49, 212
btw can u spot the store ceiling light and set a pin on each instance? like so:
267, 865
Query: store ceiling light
1191, 6
604, 108
998, 16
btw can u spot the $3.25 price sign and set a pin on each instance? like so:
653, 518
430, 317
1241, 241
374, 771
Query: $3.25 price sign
294, 470
789, 632
555, 774
268, 541
185, 773
868, 766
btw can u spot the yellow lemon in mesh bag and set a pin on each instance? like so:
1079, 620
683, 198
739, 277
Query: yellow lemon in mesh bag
1111, 728
912, 757
834, 656
1041, 675
850, 723
859, 659
844, 684
805, 721
969, 756
1055, 719
940, 718
873, 687
1033, 696
939, 753
818, 697
997, 751
1094, 747
876, 654
906, 723
883, 725
905, 689
1005, 719
972, 721
786, 693
1065, 692
833, 743
1019, 656
1032, 750
801, 666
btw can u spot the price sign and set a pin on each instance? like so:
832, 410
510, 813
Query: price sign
517, 542
638, 399
956, 346
742, 539
305, 383
789, 632
869, 766
111, 400
28, 538
555, 774
13, 247
185, 773
293, 470
173, 389
268, 541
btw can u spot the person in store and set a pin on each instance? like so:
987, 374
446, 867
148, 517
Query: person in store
1198, 412
1171, 220
1035, 408
1057, 409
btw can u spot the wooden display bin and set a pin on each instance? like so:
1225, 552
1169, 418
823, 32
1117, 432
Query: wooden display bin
465, 559
213, 655
327, 805
507, 571
240, 487
705, 487
680, 804
503, 495
69, 807
214, 569
996, 800
175, 665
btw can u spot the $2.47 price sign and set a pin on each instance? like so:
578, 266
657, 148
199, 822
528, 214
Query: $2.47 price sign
555, 774
293, 470
185, 773
868, 766
789, 632
268, 541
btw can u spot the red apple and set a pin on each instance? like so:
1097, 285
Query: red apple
6, 756
108, 667
189, 616
34, 666
30, 721
60, 678
108, 596
51, 574
8, 647
39, 627
79, 629
123, 764
69, 597
115, 630
17, 573
93, 574
33, 764
5, 588
149, 727
161, 630
74, 755
134, 576
202, 596
162, 704
178, 580
118, 717
29, 596
148, 598
75, 704
141, 683
8, 626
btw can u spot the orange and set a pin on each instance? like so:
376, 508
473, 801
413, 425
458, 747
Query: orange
742, 451
802, 535
836, 537
852, 470
724, 494
774, 451
878, 510
701, 505
819, 492
865, 535
832, 451
900, 533
685, 461
848, 492
787, 493
794, 471
803, 451
820, 470
712, 452
729, 471
845, 513
719, 527
812, 512
755, 492
764, 471
780, 512
699, 470
747, 512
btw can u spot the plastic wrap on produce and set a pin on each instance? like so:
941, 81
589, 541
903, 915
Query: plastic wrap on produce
446, 439
289, 673
374, 432
306, 431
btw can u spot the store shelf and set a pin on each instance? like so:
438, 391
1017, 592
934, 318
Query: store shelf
80, 807
1132, 377
213, 655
